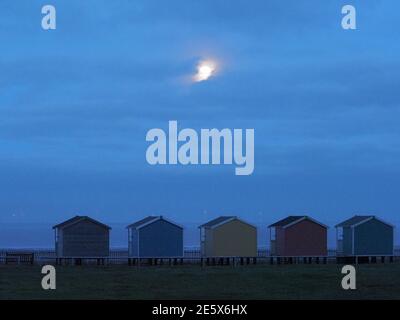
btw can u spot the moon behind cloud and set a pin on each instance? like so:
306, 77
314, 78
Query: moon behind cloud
205, 70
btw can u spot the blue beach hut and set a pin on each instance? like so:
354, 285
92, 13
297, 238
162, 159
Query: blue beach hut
155, 237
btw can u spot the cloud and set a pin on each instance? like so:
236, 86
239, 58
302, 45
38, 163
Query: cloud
80, 100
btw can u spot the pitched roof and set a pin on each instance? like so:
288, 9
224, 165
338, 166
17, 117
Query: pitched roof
142, 221
148, 220
217, 221
357, 220
77, 219
222, 220
290, 220
352, 221
286, 221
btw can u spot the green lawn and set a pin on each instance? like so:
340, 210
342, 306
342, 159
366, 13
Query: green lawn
192, 282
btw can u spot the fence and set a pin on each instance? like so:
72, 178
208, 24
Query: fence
120, 255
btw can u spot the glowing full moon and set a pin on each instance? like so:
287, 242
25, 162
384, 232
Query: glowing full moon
205, 70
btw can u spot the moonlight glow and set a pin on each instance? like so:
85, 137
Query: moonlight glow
205, 70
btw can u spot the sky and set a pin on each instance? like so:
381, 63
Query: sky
76, 104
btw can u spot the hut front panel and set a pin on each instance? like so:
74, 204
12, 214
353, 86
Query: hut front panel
133, 243
306, 238
161, 239
373, 238
85, 239
235, 238
59, 243
280, 241
207, 245
347, 241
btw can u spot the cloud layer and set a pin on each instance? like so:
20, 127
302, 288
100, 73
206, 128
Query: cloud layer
79, 100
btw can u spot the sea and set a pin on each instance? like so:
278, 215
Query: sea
41, 235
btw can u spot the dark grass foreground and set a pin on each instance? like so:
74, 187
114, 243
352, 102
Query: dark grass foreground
191, 282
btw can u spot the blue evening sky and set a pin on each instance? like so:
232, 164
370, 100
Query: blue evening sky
76, 103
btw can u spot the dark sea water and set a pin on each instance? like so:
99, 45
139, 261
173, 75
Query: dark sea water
41, 235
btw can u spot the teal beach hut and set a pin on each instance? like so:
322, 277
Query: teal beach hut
365, 236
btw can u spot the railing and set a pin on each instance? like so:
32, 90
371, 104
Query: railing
120, 255
19, 258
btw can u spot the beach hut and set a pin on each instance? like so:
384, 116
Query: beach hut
298, 236
82, 236
155, 237
365, 236
228, 236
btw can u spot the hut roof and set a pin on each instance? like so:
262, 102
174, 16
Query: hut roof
291, 220
77, 219
221, 220
357, 220
148, 220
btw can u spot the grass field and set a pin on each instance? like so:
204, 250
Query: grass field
191, 282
